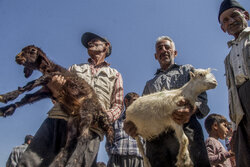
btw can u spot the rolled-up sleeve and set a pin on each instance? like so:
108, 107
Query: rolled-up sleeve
202, 106
116, 99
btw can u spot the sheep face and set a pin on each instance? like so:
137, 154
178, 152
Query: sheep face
204, 78
30, 57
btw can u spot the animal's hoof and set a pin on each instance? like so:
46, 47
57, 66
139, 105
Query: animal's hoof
2, 99
7, 110
1, 114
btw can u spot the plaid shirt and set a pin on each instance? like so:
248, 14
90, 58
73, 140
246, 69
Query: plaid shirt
15, 155
173, 78
123, 144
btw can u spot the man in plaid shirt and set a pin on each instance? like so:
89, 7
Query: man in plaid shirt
123, 152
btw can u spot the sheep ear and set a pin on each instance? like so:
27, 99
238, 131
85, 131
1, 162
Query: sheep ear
192, 75
27, 72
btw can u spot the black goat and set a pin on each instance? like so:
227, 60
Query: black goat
77, 98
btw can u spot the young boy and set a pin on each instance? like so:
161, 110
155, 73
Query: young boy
216, 126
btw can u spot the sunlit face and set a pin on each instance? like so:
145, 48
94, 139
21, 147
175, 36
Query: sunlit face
165, 53
233, 21
222, 130
96, 47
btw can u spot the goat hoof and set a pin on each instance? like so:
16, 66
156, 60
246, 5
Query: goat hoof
2, 99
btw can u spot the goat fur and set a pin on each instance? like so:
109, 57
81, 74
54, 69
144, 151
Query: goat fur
77, 98
152, 114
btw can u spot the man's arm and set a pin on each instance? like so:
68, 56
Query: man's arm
202, 107
116, 99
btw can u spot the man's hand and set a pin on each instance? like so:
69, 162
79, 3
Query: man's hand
183, 115
56, 82
130, 128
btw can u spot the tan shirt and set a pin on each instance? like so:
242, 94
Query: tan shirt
107, 83
234, 76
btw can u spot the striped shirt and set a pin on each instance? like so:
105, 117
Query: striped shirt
173, 78
123, 144
116, 100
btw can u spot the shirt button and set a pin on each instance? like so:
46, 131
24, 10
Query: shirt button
236, 44
238, 55
239, 66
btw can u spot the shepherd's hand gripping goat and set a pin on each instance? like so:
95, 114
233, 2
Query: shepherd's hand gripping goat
152, 114
76, 97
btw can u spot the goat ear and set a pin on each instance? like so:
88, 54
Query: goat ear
42, 56
27, 72
192, 75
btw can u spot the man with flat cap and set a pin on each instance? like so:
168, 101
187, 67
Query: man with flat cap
234, 21
107, 83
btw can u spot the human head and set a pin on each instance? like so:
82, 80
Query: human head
88, 36
101, 164
28, 139
233, 17
230, 129
165, 51
130, 98
216, 124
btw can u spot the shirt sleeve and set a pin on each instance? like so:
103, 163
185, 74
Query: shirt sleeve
202, 106
215, 156
116, 99
13, 159
146, 90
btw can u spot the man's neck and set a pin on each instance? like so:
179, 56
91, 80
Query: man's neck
165, 67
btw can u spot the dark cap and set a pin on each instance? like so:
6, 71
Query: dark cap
88, 36
227, 4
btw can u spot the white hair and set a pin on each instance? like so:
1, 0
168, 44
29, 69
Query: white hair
159, 39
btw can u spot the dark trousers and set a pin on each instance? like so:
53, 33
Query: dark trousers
163, 150
116, 160
49, 140
242, 143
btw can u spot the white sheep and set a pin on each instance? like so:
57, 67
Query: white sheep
152, 114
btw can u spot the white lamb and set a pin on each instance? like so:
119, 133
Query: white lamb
152, 114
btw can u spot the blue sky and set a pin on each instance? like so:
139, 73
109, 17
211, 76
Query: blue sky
132, 27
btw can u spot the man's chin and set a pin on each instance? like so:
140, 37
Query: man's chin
235, 31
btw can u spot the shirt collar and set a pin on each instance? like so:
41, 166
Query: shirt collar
245, 32
92, 62
169, 68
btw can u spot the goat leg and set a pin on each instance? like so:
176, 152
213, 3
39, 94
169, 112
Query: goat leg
77, 159
7, 110
183, 157
28, 98
105, 124
43, 80
4, 98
